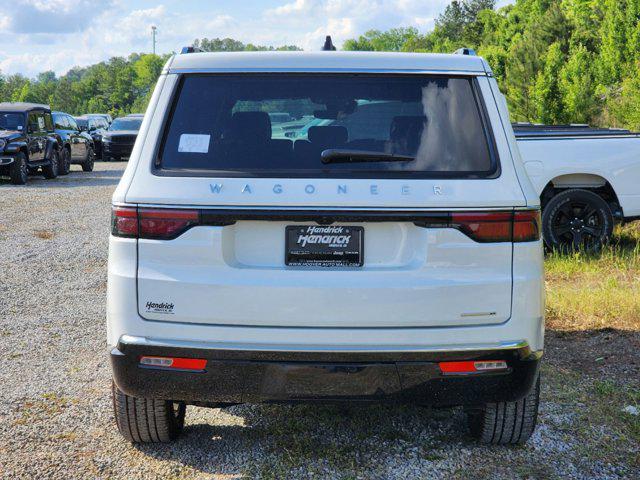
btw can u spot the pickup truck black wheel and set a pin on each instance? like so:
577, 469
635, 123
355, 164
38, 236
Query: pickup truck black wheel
506, 423
65, 162
51, 170
87, 165
576, 220
18, 170
145, 420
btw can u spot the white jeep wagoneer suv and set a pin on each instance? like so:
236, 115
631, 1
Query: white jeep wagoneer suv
376, 240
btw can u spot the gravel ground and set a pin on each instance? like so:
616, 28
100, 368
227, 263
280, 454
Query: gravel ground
55, 420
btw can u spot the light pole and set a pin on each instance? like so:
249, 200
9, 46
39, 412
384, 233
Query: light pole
153, 35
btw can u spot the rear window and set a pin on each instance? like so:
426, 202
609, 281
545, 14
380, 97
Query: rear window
343, 125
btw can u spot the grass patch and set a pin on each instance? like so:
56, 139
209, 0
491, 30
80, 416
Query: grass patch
596, 291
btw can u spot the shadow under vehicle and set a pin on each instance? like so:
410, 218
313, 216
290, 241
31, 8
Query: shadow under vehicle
28, 143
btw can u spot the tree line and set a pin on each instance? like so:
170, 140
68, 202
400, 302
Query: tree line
118, 86
557, 61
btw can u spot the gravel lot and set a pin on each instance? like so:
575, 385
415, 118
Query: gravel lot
55, 420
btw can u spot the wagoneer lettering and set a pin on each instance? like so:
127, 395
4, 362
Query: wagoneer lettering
347, 227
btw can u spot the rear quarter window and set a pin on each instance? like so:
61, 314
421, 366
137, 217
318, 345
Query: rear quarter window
341, 125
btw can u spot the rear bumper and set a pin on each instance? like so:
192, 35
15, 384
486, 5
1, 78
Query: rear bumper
252, 376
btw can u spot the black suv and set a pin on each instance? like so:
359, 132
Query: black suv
119, 140
77, 146
28, 142
96, 126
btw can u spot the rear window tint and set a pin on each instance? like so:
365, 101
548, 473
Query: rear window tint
343, 125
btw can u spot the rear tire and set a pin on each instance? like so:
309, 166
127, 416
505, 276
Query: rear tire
576, 220
145, 420
18, 171
87, 165
65, 162
506, 423
51, 171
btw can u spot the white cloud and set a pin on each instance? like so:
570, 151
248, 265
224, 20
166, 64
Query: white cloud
53, 16
51, 34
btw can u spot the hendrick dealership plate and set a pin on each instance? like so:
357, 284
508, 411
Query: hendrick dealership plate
324, 246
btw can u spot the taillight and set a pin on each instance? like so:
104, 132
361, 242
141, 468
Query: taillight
152, 223
124, 221
526, 225
485, 227
164, 224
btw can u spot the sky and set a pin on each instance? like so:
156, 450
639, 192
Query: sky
40, 35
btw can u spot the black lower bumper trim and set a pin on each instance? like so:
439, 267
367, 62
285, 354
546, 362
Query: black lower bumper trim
253, 377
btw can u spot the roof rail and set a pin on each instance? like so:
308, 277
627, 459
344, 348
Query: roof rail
465, 51
191, 49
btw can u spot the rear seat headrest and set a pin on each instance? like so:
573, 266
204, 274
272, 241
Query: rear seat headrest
329, 135
255, 126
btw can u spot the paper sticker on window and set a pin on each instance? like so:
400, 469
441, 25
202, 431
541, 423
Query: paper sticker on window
41, 123
193, 143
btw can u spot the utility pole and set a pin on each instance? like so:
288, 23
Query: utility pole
153, 35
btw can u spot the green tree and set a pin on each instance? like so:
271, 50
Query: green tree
546, 93
577, 86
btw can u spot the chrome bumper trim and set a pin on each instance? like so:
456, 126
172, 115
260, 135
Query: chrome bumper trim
158, 342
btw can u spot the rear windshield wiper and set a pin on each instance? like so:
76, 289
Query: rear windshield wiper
338, 155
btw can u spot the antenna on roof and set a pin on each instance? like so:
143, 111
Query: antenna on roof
328, 45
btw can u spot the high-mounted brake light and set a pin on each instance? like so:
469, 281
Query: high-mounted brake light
449, 368
152, 223
177, 363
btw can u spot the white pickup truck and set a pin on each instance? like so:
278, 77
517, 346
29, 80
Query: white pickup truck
587, 179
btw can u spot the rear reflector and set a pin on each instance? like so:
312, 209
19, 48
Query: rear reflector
174, 362
472, 366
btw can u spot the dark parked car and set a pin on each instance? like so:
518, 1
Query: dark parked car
96, 126
28, 142
77, 146
118, 142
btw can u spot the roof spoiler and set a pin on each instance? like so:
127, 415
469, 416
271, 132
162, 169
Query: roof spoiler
191, 49
465, 51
